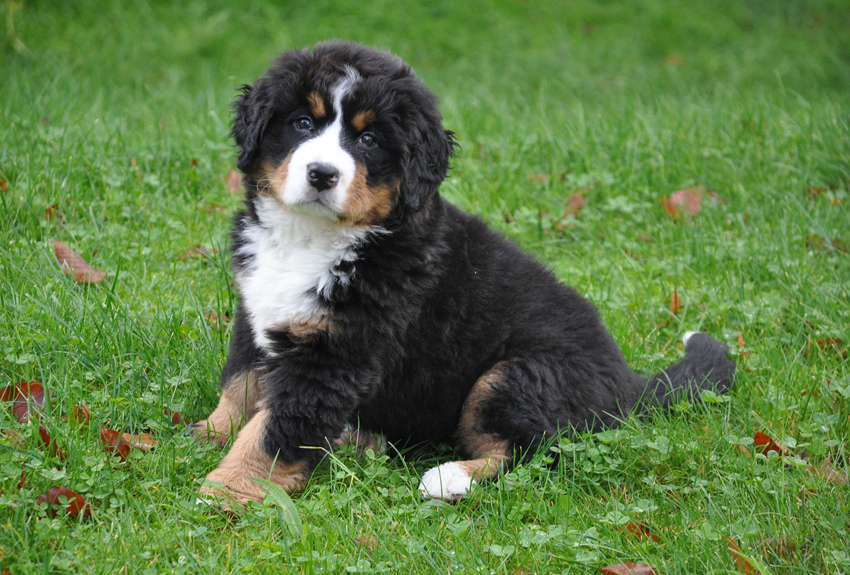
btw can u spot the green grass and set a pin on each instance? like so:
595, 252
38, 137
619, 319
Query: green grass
118, 114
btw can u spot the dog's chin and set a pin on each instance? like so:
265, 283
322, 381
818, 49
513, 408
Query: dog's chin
315, 206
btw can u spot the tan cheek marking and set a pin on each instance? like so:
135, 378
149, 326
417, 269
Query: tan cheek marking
237, 405
247, 460
317, 104
363, 119
273, 181
366, 204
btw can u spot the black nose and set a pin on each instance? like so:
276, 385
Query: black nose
322, 176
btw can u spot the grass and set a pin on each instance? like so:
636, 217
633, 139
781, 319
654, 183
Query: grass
117, 113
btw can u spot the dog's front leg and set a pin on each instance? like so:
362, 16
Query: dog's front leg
303, 404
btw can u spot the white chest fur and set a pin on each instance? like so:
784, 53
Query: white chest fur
290, 261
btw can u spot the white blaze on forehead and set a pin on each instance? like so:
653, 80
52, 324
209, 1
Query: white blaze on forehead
324, 148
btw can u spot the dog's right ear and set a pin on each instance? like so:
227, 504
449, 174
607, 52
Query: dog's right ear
251, 114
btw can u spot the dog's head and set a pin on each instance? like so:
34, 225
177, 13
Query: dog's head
345, 132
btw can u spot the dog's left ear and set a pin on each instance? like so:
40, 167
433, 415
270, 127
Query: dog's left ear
428, 161
251, 114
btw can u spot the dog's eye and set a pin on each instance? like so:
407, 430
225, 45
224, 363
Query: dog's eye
368, 139
304, 123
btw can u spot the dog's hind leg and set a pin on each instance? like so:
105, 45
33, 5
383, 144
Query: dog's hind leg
238, 404
490, 453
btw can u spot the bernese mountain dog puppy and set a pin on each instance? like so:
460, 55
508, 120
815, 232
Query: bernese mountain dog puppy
368, 302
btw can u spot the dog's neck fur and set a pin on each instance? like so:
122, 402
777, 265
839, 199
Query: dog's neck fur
287, 262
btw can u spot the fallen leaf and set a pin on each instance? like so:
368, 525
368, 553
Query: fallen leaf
367, 542
744, 566
782, 547
114, 443
75, 504
23, 482
832, 344
80, 414
196, 252
2, 185
674, 60
819, 243
14, 439
641, 531
72, 263
234, 182
741, 345
827, 473
767, 444
742, 450
574, 205
52, 211
675, 303
25, 395
176, 418
628, 568
49, 444
214, 319
539, 177
141, 441
688, 201
6, 571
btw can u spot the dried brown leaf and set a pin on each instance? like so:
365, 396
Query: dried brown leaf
72, 263
367, 542
49, 444
539, 177
574, 204
27, 396
641, 531
80, 414
234, 182
744, 566
675, 303
74, 505
782, 547
766, 444
196, 252
141, 441
114, 443
176, 418
2, 185
23, 481
688, 201
629, 568
827, 473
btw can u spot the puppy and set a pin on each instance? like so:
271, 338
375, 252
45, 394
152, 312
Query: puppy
366, 300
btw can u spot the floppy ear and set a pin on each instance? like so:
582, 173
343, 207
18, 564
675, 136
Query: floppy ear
427, 162
251, 113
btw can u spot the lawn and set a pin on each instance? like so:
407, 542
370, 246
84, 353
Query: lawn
114, 140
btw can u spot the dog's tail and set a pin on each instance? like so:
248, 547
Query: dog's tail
705, 367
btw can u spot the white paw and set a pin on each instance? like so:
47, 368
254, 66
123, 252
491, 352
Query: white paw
448, 482
688, 335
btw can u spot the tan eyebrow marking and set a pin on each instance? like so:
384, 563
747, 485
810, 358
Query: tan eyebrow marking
317, 104
363, 119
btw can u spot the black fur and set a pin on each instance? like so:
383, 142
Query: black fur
434, 302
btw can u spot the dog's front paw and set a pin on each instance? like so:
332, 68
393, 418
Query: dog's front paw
229, 490
448, 482
206, 432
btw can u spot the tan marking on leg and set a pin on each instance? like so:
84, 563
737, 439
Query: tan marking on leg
363, 119
366, 205
474, 440
486, 467
453, 481
317, 104
238, 404
247, 460
273, 179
